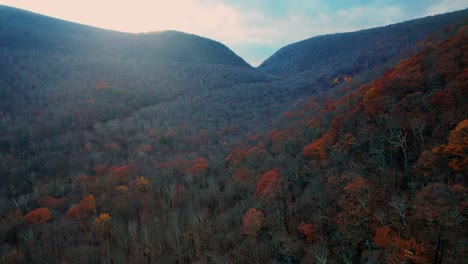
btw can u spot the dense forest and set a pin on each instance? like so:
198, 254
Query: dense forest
169, 148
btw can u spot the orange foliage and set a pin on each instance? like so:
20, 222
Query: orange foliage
85, 208
142, 185
103, 222
252, 222
48, 201
38, 216
372, 101
457, 147
270, 183
122, 188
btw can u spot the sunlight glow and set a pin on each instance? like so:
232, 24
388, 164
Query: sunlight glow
252, 28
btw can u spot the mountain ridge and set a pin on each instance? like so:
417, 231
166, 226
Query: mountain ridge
24, 30
313, 54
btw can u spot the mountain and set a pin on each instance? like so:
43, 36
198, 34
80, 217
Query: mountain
348, 54
26, 31
148, 148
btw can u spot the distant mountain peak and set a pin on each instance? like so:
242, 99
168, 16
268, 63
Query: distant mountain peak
27, 31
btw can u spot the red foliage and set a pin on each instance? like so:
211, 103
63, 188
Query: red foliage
397, 249
177, 163
270, 183
443, 99
235, 157
318, 148
99, 169
436, 200
122, 173
382, 237
51, 202
38, 216
200, 164
256, 152
307, 230
252, 222
85, 208
241, 175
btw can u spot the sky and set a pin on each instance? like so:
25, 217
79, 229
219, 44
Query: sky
254, 29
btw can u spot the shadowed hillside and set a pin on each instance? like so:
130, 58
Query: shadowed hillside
352, 53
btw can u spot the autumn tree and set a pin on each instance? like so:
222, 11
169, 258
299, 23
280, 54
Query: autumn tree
83, 210
200, 164
51, 202
318, 148
252, 222
270, 183
307, 230
457, 147
142, 185
38, 216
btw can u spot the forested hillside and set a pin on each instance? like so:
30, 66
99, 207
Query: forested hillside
169, 148
349, 54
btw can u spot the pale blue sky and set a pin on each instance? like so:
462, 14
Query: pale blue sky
254, 29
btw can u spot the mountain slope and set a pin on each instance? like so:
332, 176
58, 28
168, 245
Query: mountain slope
25, 31
352, 53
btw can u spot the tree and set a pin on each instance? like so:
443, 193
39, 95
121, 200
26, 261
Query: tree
252, 222
84, 209
270, 183
103, 222
38, 216
142, 184
457, 147
318, 148
51, 202
308, 231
